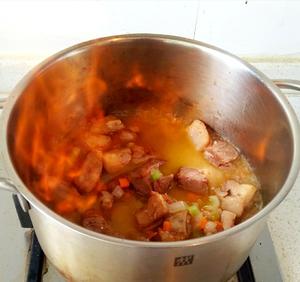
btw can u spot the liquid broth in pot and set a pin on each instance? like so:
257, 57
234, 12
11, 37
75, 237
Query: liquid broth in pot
147, 175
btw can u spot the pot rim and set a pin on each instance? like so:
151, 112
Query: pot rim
34, 201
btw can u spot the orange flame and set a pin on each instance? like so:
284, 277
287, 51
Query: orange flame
54, 113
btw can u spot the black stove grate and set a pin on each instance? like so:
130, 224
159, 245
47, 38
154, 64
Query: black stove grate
37, 257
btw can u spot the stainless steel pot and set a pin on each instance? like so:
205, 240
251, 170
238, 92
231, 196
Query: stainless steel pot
196, 80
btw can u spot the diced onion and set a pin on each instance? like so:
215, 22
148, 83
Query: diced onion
177, 207
214, 201
210, 228
118, 192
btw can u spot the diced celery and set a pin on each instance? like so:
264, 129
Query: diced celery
193, 210
155, 174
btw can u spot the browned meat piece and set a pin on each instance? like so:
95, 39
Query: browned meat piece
240, 196
141, 179
181, 227
90, 172
220, 153
93, 220
233, 204
163, 184
115, 160
114, 125
108, 125
154, 225
138, 154
98, 141
192, 180
134, 128
156, 209
245, 192
127, 135
198, 134
106, 200
228, 185
137, 151
64, 194
142, 185
221, 194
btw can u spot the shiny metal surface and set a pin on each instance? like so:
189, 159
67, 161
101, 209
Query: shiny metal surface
2, 102
88, 259
288, 84
197, 81
7, 185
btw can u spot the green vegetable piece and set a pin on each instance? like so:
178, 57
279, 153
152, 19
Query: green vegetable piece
193, 210
155, 174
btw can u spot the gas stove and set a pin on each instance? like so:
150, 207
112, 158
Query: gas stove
262, 258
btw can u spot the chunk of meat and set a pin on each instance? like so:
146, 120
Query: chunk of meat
90, 172
115, 160
228, 185
127, 135
138, 154
245, 192
137, 151
66, 196
108, 125
163, 184
134, 128
180, 227
141, 177
233, 204
98, 141
220, 193
193, 180
106, 200
142, 185
240, 196
114, 125
227, 219
93, 220
198, 134
156, 209
220, 153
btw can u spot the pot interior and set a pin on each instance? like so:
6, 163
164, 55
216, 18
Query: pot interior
177, 77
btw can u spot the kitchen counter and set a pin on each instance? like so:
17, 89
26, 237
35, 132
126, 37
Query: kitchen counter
283, 223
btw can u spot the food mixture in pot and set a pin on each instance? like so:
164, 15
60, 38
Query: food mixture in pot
149, 176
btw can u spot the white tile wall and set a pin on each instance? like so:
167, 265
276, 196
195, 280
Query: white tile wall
244, 27
32, 27
251, 27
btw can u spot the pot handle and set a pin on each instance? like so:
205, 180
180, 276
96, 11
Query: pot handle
291, 84
7, 185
